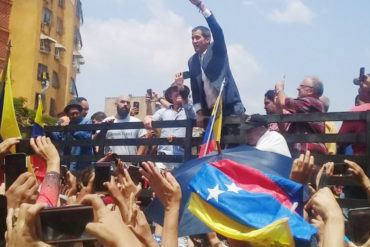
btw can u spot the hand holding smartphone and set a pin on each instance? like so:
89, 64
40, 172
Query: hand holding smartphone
65, 224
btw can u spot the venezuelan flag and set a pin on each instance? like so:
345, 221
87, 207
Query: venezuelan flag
213, 133
244, 203
38, 164
8, 123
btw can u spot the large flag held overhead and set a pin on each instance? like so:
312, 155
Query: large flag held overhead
244, 203
213, 131
266, 162
8, 123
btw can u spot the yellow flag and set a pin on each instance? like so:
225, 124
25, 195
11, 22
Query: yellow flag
9, 126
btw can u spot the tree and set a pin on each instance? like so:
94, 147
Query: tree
25, 117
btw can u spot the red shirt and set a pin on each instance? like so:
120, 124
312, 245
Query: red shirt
356, 127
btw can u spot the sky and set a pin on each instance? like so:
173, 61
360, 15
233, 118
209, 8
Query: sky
132, 45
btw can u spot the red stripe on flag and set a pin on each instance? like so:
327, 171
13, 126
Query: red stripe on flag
252, 180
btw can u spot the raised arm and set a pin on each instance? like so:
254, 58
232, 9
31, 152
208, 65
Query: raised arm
219, 44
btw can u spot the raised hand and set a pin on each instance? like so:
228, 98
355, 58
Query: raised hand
44, 148
107, 227
302, 168
165, 186
7, 144
22, 232
23, 190
138, 224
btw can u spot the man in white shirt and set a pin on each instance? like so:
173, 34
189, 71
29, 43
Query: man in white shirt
259, 135
122, 116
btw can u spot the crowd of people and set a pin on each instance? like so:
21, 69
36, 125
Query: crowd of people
118, 217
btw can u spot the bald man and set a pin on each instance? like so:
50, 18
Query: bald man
123, 106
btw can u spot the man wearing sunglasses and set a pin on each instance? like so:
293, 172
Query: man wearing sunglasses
309, 92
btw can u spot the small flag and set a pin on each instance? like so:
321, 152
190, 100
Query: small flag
213, 131
38, 125
246, 204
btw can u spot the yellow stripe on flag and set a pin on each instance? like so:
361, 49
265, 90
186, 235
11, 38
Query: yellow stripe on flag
276, 234
218, 122
9, 125
38, 117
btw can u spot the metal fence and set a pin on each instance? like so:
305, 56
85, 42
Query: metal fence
233, 133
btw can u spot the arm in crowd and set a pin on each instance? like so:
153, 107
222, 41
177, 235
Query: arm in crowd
82, 134
324, 208
168, 191
107, 228
49, 192
359, 175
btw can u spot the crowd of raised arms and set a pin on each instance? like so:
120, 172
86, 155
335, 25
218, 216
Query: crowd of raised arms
54, 204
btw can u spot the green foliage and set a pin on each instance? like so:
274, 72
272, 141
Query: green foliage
25, 117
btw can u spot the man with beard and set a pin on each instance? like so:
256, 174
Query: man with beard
74, 112
122, 116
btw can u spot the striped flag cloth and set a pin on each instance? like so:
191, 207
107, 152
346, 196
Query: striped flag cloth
246, 204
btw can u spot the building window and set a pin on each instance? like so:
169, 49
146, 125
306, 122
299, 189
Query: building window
42, 71
47, 16
62, 3
60, 29
72, 87
55, 82
45, 45
52, 111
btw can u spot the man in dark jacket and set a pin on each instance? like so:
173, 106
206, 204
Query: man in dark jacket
209, 67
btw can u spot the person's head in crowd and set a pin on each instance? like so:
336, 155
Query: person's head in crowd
201, 38
311, 86
173, 96
269, 103
74, 111
98, 117
62, 118
84, 104
256, 126
326, 101
123, 106
364, 90
184, 93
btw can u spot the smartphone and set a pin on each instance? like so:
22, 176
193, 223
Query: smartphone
65, 224
15, 165
136, 104
358, 223
186, 74
24, 147
340, 168
134, 174
150, 92
103, 172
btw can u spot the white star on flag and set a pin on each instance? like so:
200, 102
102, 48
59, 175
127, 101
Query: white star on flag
214, 193
233, 188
